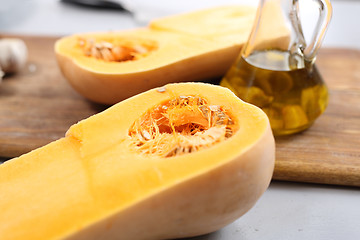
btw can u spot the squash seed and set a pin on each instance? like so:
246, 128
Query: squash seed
118, 51
161, 89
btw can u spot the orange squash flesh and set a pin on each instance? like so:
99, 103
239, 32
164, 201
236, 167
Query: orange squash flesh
92, 184
227, 25
211, 23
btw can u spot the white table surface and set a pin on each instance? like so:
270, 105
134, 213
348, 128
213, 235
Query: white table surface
287, 211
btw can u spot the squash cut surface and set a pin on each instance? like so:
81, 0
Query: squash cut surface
159, 44
99, 182
213, 22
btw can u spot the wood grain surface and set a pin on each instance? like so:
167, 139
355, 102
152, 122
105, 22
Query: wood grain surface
328, 152
37, 106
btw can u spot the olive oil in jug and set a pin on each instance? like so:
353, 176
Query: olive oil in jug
292, 93
275, 69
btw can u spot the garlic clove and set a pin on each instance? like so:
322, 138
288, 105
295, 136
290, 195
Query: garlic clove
13, 54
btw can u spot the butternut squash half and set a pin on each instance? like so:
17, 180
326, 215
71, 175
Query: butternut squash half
108, 67
177, 161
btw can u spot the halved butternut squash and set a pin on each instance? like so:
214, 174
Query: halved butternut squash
176, 56
177, 161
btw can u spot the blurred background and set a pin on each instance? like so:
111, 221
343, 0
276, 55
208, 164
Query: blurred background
63, 17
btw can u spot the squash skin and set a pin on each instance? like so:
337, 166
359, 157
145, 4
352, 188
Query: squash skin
195, 207
194, 204
110, 88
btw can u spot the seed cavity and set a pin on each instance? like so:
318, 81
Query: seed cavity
179, 126
116, 50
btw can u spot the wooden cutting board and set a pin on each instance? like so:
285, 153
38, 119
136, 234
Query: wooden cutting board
37, 106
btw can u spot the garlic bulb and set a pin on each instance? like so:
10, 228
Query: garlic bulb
13, 55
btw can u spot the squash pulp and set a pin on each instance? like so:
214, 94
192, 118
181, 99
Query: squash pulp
177, 161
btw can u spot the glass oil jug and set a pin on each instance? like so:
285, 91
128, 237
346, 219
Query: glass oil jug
275, 69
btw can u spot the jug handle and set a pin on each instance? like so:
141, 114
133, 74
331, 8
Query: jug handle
325, 13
